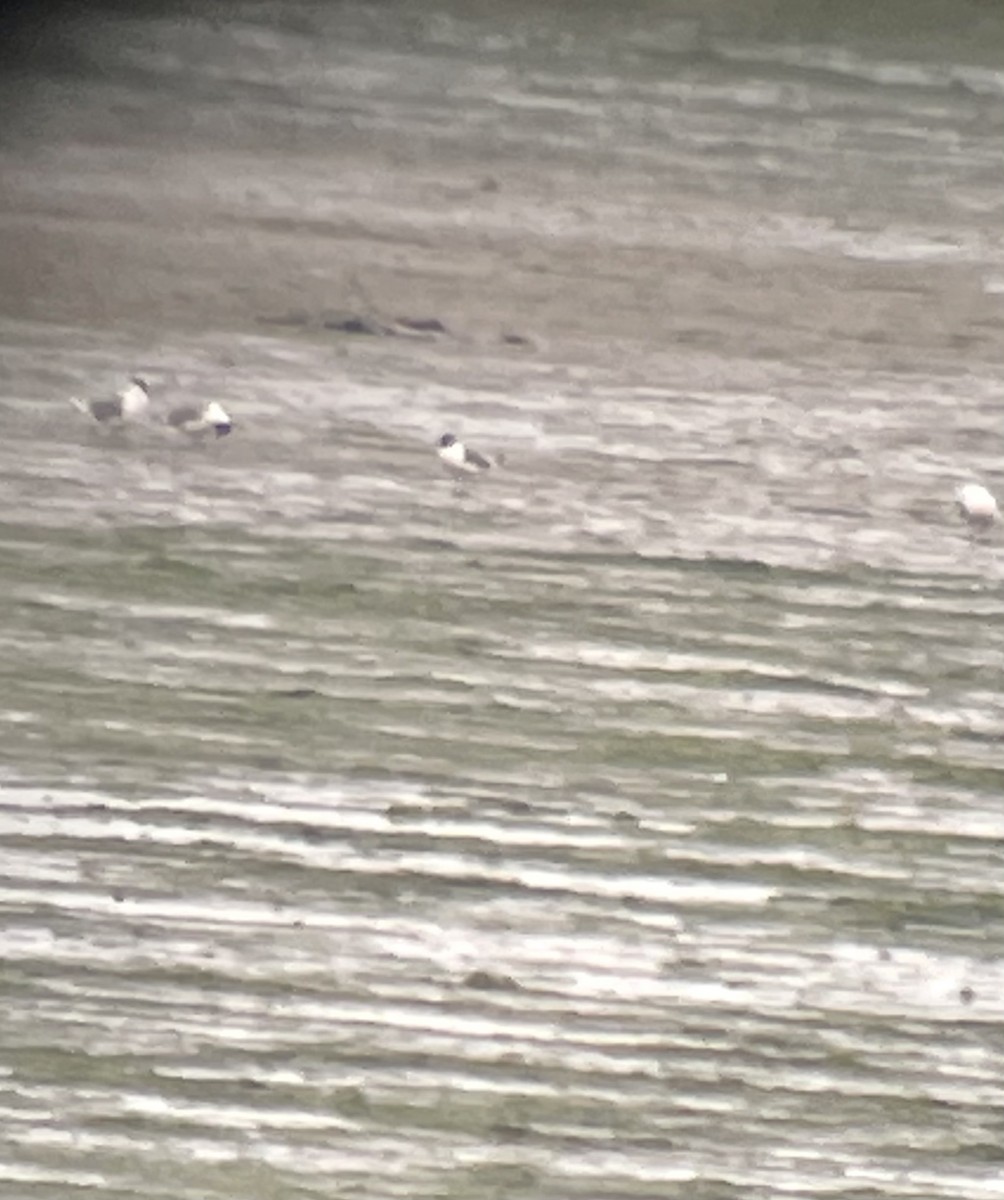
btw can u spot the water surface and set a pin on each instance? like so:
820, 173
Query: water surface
624, 824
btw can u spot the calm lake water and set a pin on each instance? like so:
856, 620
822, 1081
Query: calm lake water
626, 823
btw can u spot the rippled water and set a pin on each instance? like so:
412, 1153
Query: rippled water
626, 823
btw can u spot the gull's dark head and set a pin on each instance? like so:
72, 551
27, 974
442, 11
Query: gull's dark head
141, 383
448, 439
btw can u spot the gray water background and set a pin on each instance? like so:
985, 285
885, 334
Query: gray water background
625, 824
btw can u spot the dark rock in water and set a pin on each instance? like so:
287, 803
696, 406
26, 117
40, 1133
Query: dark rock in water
295, 317
422, 324
738, 566
268, 762
489, 981
357, 325
504, 1132
370, 327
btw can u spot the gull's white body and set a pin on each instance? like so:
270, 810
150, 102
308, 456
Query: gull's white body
135, 401
977, 505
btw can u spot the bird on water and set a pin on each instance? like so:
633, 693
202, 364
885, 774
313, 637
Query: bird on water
977, 506
461, 458
130, 404
198, 420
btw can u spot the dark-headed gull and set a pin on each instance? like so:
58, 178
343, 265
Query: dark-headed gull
197, 420
461, 458
128, 405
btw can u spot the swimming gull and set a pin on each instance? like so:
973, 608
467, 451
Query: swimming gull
976, 505
128, 405
197, 420
461, 458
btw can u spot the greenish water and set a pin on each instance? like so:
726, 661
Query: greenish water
625, 823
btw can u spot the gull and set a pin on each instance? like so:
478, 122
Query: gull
461, 458
197, 420
976, 505
128, 405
